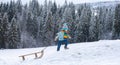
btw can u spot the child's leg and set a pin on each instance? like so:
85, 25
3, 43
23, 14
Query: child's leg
59, 45
66, 43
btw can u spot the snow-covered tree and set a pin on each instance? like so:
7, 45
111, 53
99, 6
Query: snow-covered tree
5, 30
11, 10
54, 8
14, 34
2, 45
34, 7
117, 22
48, 30
32, 25
83, 25
19, 7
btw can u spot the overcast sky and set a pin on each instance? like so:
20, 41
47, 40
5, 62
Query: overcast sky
60, 2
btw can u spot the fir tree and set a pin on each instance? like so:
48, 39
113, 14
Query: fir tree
32, 25
117, 22
5, 31
19, 6
54, 8
1, 33
14, 35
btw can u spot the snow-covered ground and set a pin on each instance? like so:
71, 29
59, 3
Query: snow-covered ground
104, 52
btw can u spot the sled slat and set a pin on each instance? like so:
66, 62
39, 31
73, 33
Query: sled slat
36, 55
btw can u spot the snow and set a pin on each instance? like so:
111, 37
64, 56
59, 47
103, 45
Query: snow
104, 52
61, 2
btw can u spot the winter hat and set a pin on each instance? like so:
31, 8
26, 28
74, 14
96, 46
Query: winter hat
65, 27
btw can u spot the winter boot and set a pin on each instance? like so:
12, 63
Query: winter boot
66, 48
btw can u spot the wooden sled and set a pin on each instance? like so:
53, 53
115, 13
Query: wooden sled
37, 55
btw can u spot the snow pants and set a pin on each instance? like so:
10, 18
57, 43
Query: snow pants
65, 41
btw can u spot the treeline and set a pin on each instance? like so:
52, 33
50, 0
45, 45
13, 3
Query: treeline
35, 25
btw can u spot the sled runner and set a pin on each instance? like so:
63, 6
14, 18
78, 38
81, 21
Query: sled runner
36, 54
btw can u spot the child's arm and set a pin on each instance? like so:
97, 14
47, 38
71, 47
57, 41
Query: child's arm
56, 38
69, 36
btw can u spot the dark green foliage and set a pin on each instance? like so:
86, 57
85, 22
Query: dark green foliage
54, 8
117, 22
32, 25
14, 38
19, 6
4, 30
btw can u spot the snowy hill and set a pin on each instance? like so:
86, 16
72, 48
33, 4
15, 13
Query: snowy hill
91, 53
107, 3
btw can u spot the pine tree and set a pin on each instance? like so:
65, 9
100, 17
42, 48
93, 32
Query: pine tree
19, 6
32, 25
94, 25
11, 10
34, 7
23, 19
1, 33
5, 31
42, 21
117, 22
84, 24
101, 21
48, 30
14, 35
54, 8
57, 18
72, 21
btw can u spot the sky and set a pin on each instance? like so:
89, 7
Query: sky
61, 2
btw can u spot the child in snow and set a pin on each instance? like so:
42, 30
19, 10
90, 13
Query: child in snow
62, 37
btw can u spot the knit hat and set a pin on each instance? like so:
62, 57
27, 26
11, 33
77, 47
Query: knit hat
65, 27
